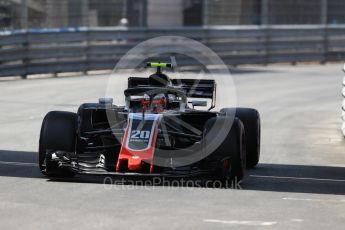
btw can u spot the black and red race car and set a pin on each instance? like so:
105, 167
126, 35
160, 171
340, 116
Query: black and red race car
156, 133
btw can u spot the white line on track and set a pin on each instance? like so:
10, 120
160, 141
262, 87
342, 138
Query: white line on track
296, 220
242, 222
311, 199
298, 178
17, 163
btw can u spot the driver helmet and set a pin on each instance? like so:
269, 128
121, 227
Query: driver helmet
159, 103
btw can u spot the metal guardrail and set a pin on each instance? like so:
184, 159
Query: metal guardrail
67, 50
343, 105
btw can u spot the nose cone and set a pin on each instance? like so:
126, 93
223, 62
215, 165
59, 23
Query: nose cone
134, 163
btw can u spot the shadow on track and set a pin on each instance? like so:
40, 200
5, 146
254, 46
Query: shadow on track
19, 164
296, 178
266, 177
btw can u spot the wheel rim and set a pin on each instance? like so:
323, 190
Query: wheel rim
226, 169
244, 152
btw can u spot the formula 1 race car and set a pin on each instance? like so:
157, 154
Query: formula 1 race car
156, 133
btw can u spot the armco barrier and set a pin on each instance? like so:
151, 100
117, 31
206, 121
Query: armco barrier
66, 50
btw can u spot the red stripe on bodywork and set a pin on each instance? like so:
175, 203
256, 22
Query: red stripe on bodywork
136, 157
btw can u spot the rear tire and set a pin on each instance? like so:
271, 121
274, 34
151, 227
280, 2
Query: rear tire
58, 132
251, 121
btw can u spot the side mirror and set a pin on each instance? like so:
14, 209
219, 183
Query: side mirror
199, 103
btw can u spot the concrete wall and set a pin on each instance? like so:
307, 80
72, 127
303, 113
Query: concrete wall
234, 12
57, 13
294, 12
164, 13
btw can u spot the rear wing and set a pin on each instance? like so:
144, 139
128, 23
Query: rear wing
194, 88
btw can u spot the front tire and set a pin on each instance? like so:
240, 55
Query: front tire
58, 133
231, 154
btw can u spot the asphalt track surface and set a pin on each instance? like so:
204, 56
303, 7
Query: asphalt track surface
299, 183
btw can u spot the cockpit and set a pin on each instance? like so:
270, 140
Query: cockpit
155, 100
